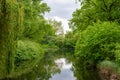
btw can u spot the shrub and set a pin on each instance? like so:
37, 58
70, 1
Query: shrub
117, 53
27, 56
97, 43
109, 70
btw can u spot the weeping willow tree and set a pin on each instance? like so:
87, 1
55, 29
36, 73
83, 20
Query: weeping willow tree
10, 23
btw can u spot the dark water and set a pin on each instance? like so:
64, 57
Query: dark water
58, 66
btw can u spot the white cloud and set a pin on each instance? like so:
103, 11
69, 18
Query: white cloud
60, 1
61, 10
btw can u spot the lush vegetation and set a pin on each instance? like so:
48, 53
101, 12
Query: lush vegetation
95, 10
22, 29
96, 44
9, 11
27, 38
97, 27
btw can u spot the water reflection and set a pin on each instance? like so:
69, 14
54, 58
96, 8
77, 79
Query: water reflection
59, 66
85, 73
42, 71
66, 72
51, 67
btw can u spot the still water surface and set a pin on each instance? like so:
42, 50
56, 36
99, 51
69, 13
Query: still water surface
66, 72
58, 66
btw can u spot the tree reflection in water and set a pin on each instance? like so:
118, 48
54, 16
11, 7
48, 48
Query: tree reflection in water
46, 68
42, 71
85, 73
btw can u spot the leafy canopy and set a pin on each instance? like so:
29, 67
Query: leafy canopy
95, 10
98, 42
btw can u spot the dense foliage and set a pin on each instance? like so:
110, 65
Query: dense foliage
25, 35
98, 42
27, 51
95, 10
22, 28
9, 29
97, 27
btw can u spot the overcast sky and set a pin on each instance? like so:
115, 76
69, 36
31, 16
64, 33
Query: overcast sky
61, 10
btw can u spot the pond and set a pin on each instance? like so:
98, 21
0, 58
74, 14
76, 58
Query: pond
59, 65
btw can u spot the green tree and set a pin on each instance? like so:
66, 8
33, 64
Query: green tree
20, 19
35, 26
10, 19
54, 38
96, 44
69, 40
95, 10
57, 26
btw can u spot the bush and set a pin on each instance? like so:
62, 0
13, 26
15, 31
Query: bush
117, 53
27, 56
109, 70
98, 43
28, 50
